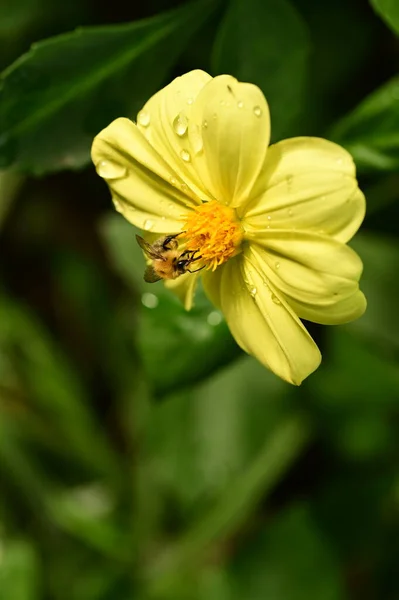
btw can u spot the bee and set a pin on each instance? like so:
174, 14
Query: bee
167, 261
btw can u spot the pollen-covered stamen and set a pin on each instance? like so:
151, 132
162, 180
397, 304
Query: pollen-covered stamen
214, 231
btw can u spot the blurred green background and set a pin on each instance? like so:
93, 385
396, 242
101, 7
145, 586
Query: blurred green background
142, 454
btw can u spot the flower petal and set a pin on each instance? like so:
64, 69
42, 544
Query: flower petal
166, 122
317, 275
262, 323
235, 124
139, 179
307, 183
184, 288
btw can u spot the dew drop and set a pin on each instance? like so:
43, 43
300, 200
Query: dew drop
289, 180
149, 300
214, 116
148, 224
240, 104
277, 265
184, 187
173, 181
269, 218
267, 226
185, 155
253, 291
290, 212
204, 124
275, 299
257, 111
110, 169
143, 118
214, 318
339, 161
180, 124
190, 100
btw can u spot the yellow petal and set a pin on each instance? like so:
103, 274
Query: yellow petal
140, 181
235, 124
261, 321
307, 183
317, 275
166, 122
184, 288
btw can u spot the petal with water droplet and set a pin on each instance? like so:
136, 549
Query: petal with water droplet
318, 275
269, 331
235, 140
171, 109
144, 193
307, 183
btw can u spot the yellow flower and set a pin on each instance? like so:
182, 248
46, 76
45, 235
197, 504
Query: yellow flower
270, 223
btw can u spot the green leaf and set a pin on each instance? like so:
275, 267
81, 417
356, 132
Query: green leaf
371, 131
265, 42
233, 507
389, 11
188, 345
55, 98
19, 571
380, 323
289, 559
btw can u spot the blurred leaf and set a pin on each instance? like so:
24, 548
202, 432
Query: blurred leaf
389, 11
52, 93
265, 42
10, 184
289, 559
19, 571
380, 323
371, 131
222, 424
188, 345
234, 505
344, 40
45, 377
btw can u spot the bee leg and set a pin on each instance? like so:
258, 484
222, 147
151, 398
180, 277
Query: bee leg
196, 270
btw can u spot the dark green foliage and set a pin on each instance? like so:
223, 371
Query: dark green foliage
143, 456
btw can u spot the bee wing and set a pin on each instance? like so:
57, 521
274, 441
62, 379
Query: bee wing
150, 275
147, 248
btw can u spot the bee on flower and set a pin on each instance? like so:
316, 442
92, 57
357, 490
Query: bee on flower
267, 226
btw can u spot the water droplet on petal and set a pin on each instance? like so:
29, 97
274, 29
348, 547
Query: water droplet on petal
148, 224
214, 318
173, 181
257, 111
190, 100
253, 291
277, 265
240, 104
267, 226
185, 155
180, 124
339, 161
269, 218
204, 124
149, 300
110, 169
290, 212
184, 187
143, 118
214, 116
275, 299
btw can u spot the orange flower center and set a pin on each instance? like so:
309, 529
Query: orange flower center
214, 231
